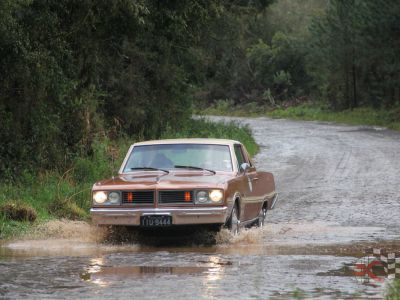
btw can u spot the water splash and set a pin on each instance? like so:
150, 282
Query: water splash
252, 235
67, 229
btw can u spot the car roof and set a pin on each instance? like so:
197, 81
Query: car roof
188, 141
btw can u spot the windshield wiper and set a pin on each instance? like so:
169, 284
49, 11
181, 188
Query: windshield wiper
193, 168
149, 169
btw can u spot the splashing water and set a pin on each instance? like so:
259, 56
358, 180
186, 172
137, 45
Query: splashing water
65, 237
67, 229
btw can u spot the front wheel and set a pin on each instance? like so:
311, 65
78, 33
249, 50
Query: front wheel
234, 222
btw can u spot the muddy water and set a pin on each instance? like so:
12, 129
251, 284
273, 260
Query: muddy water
339, 194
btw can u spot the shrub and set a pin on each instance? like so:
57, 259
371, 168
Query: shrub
15, 211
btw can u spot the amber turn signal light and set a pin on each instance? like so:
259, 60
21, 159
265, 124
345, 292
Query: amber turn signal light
130, 197
188, 197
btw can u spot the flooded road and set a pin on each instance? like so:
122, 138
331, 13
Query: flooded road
339, 194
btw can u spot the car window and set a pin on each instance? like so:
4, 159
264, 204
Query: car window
239, 155
247, 157
166, 156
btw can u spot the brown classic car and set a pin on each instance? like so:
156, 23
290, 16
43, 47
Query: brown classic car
185, 182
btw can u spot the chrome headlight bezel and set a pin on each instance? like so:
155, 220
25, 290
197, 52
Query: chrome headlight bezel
209, 196
103, 197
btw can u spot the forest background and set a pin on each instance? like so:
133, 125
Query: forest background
80, 80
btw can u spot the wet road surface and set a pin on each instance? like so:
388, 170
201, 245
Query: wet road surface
339, 194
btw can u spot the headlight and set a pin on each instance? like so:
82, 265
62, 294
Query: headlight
202, 196
99, 197
209, 197
113, 197
216, 195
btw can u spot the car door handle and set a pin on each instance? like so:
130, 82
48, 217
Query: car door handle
255, 178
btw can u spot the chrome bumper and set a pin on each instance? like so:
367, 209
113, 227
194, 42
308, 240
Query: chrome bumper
180, 216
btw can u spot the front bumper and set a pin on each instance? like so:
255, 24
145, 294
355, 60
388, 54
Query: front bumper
180, 216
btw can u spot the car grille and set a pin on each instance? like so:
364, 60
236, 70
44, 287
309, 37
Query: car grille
166, 197
138, 197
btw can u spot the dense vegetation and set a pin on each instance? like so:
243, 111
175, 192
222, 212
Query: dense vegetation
75, 71
79, 75
337, 55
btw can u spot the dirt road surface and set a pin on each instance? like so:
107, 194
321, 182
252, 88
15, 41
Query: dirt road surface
339, 191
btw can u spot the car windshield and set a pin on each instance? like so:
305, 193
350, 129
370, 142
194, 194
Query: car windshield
179, 156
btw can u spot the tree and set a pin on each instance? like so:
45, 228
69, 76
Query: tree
72, 70
354, 57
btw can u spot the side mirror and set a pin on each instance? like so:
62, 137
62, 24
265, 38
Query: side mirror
244, 167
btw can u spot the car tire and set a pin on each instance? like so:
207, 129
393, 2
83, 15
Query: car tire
261, 216
234, 222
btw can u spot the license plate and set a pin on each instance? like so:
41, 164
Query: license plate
150, 221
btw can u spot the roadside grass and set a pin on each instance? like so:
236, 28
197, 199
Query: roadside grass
389, 118
52, 194
359, 116
55, 195
227, 108
393, 292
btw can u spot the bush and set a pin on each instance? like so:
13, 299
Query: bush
15, 211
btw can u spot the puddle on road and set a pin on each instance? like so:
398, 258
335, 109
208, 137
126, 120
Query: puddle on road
96, 272
319, 233
279, 260
182, 275
69, 238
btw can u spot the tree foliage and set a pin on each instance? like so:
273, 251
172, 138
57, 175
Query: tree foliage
72, 71
354, 50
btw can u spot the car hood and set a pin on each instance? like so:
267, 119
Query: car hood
144, 180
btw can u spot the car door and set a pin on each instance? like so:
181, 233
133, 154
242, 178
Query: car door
256, 201
250, 204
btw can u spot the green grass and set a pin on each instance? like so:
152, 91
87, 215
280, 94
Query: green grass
389, 118
10, 228
53, 194
393, 292
227, 108
359, 116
